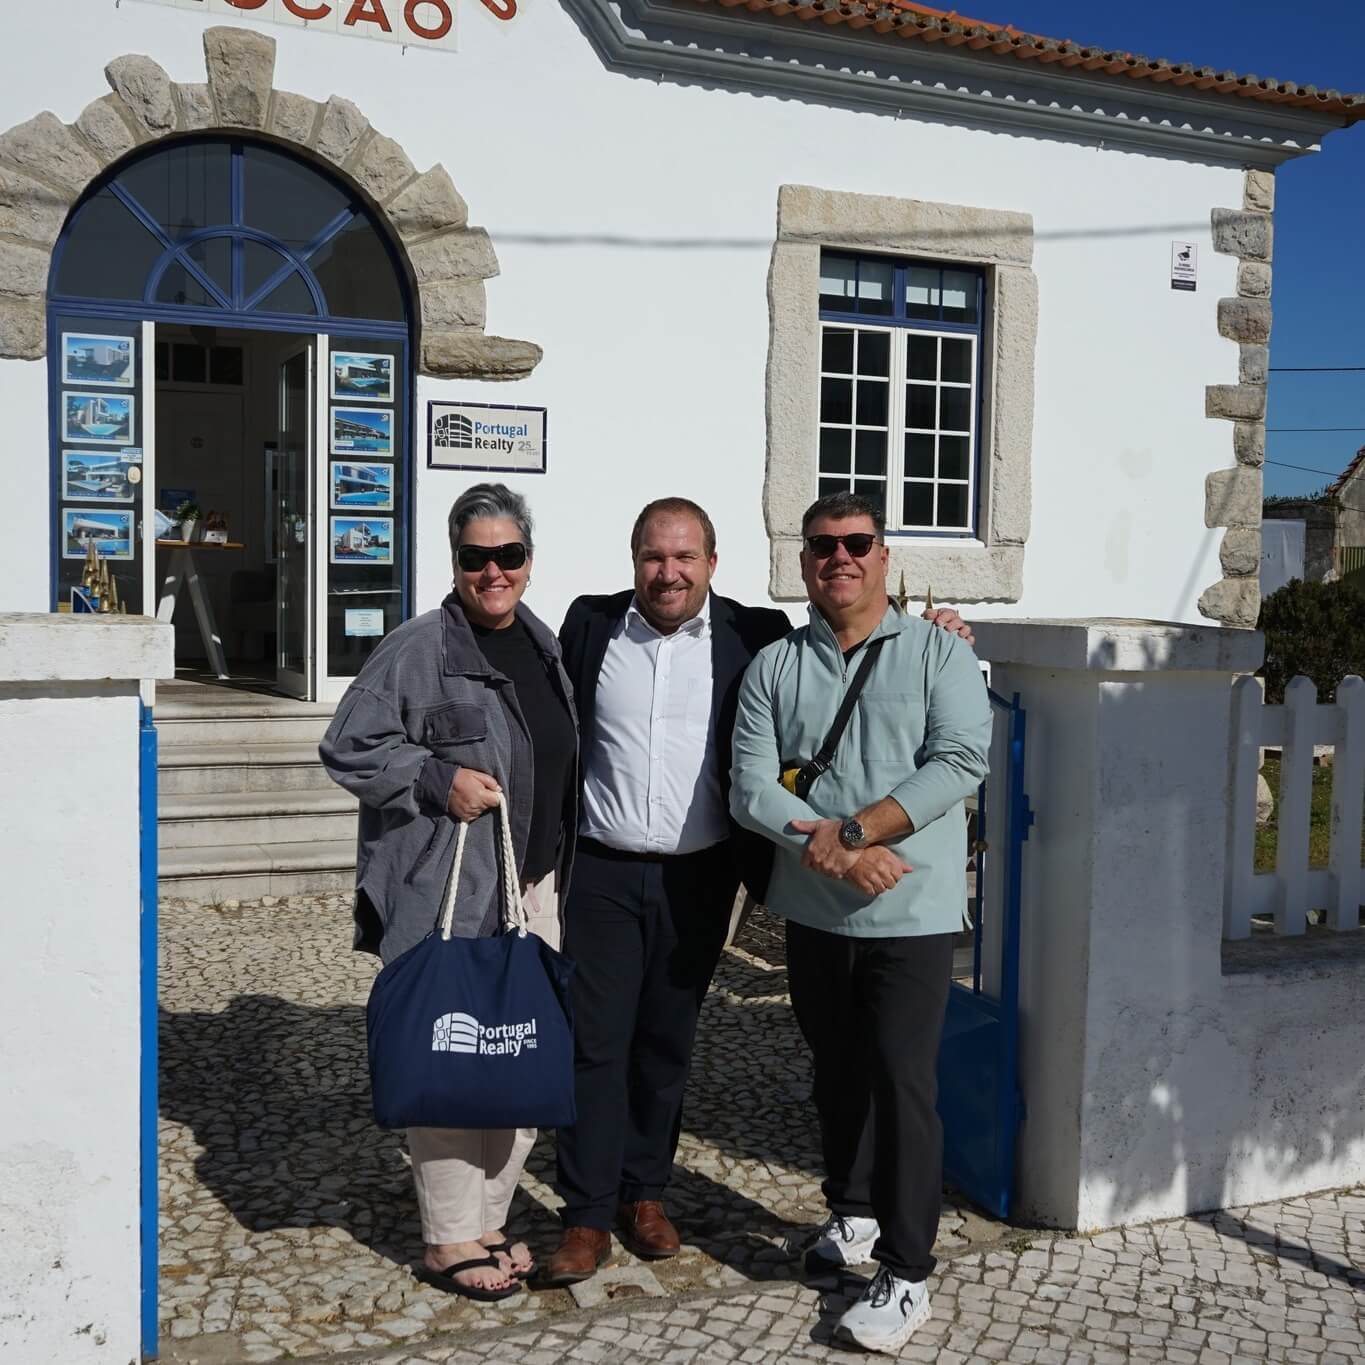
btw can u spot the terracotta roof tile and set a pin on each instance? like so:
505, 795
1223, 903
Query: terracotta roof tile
1338, 485
927, 25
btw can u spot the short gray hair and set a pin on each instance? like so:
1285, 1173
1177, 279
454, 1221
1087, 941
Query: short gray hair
490, 500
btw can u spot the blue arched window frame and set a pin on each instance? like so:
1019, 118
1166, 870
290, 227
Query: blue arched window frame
238, 311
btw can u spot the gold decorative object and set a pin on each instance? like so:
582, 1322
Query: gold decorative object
90, 575
105, 605
929, 598
901, 597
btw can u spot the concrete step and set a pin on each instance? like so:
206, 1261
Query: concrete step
246, 871
185, 769
208, 819
181, 701
241, 729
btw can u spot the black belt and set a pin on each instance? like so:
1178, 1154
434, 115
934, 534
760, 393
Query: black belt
623, 855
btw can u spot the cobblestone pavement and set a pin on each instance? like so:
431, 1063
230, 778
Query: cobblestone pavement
1273, 1283
288, 1220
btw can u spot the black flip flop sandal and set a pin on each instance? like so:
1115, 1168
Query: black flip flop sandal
506, 1249
445, 1279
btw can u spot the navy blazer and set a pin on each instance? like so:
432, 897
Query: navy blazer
737, 634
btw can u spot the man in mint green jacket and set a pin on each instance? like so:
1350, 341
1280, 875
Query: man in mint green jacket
870, 876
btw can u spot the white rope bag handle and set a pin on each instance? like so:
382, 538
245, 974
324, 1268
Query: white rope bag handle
513, 910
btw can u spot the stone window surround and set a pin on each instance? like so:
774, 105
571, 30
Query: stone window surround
47, 165
989, 569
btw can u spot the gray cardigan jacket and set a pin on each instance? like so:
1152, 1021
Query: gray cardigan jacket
425, 704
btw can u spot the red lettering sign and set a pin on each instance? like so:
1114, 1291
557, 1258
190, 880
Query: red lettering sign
440, 28
371, 11
501, 9
247, 4
302, 11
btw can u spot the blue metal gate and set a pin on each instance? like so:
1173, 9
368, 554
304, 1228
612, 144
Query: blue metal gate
978, 1064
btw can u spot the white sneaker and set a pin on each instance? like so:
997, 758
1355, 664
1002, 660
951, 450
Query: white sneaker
886, 1316
840, 1241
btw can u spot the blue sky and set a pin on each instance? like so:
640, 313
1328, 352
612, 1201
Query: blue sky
1319, 285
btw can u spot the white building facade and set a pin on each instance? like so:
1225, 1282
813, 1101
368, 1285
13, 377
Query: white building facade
721, 253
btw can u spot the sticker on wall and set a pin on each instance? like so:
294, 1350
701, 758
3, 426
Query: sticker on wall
362, 485
362, 540
88, 358
97, 418
493, 437
99, 476
362, 431
364, 621
362, 376
111, 533
1184, 265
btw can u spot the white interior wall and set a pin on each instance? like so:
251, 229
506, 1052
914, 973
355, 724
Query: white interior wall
654, 353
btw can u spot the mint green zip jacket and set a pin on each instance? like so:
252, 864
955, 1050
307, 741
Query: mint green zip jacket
920, 733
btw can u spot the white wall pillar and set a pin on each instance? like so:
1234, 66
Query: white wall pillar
1125, 1059
69, 983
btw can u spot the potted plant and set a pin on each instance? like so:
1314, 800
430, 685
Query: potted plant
188, 514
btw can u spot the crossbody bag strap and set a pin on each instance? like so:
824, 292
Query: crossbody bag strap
824, 757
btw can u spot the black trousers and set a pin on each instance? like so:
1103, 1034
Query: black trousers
646, 936
871, 1011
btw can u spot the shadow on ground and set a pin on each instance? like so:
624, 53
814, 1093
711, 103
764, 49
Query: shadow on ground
276, 1095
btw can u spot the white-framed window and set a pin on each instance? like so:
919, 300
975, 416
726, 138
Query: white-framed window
900, 389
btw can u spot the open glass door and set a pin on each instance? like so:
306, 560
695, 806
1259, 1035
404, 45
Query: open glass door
294, 513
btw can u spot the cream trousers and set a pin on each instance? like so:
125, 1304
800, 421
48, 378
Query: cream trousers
466, 1177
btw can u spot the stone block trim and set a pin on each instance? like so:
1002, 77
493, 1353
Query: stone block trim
145, 90
241, 71
1232, 497
990, 569
1246, 320
1242, 234
46, 165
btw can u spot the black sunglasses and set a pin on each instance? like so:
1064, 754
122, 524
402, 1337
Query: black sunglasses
857, 544
475, 558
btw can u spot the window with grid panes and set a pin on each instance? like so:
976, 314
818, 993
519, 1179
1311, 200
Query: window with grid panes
900, 348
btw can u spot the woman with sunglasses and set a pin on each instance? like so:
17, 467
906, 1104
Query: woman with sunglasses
453, 708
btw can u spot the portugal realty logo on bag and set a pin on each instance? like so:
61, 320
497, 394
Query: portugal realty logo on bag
464, 1033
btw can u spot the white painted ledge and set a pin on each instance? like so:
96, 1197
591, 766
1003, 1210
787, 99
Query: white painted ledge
62, 647
1113, 645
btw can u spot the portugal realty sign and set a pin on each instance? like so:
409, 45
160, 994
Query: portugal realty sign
496, 437
417, 23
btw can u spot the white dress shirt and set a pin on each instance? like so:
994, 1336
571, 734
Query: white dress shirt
650, 783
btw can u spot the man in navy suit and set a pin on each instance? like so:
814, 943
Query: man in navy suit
656, 673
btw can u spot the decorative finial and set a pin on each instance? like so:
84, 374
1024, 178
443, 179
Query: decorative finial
901, 596
929, 598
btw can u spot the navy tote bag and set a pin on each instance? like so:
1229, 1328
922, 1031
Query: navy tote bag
474, 1032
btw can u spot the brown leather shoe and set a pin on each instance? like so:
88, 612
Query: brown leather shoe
644, 1229
577, 1257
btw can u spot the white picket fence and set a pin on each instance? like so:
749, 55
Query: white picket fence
1293, 889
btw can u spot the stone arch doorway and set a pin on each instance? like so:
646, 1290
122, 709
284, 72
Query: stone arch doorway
54, 176
46, 166
230, 329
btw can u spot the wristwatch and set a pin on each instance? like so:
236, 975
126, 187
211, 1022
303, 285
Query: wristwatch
851, 833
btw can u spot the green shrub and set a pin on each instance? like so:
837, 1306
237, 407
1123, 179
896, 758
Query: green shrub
1314, 629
